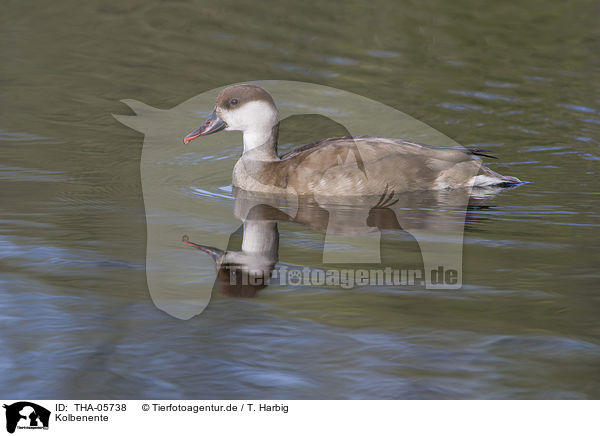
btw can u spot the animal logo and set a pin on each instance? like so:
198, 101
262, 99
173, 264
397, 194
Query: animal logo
25, 414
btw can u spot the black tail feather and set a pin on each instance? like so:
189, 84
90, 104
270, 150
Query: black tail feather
481, 152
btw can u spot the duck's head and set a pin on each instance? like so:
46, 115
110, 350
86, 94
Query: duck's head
248, 108
239, 273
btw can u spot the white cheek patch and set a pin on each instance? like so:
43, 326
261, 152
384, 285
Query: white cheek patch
254, 114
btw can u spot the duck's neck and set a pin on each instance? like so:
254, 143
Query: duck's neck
260, 246
261, 237
261, 143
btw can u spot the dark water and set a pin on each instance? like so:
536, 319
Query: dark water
77, 320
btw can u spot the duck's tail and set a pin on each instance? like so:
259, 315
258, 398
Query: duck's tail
487, 177
481, 152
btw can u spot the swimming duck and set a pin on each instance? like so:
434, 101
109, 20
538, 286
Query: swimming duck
341, 166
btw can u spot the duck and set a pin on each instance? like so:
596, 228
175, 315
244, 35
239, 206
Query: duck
336, 166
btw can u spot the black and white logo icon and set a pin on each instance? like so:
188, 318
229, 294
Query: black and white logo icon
26, 415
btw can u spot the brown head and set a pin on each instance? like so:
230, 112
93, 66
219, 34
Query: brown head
248, 108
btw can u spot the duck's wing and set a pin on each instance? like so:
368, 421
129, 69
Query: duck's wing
395, 146
464, 150
326, 166
309, 148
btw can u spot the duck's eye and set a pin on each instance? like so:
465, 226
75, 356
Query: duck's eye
234, 101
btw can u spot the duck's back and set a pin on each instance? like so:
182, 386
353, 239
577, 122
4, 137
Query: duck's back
364, 165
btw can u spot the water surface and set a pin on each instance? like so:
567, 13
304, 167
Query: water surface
521, 81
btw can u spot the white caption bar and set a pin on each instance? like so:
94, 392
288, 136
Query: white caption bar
264, 417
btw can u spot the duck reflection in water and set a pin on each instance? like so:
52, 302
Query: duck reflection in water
423, 215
